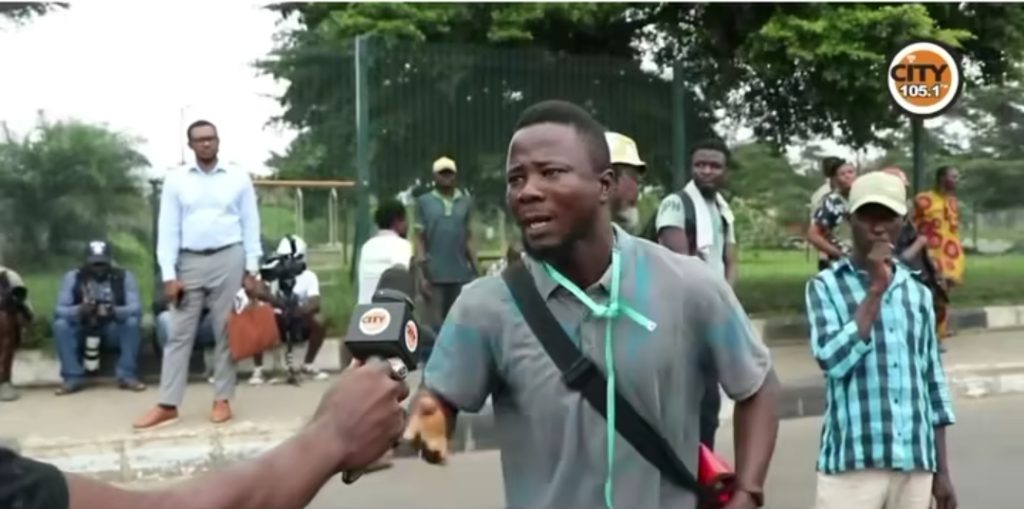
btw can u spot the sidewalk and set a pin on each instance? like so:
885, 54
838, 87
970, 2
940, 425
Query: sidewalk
91, 433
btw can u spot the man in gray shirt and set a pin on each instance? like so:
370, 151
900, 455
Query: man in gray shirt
553, 444
442, 224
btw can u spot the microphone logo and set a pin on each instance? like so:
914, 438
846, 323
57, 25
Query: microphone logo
412, 336
374, 321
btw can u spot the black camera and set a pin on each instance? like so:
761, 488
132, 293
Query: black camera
283, 269
98, 293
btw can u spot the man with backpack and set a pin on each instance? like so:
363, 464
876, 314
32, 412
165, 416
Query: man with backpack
629, 172
697, 221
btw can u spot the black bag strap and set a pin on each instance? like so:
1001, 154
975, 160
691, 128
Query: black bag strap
580, 374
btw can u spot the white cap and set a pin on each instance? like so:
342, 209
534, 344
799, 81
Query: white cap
292, 245
879, 187
623, 150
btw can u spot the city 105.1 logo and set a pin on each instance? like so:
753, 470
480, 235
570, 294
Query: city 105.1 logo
925, 78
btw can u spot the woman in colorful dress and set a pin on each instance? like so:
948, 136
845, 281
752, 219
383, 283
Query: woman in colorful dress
937, 217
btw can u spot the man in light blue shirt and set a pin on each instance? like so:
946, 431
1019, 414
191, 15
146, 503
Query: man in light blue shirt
208, 247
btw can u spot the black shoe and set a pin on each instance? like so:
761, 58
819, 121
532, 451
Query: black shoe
67, 388
131, 384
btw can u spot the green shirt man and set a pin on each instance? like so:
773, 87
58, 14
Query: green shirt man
442, 224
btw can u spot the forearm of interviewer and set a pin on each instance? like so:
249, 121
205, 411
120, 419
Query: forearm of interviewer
757, 425
287, 477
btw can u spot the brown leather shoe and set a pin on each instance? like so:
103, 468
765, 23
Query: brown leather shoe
221, 412
156, 417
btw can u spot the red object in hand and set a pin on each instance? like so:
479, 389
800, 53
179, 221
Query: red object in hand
716, 476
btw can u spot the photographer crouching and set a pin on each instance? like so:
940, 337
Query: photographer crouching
294, 292
98, 306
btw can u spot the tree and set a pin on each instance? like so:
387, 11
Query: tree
63, 184
20, 11
791, 71
795, 71
990, 154
448, 98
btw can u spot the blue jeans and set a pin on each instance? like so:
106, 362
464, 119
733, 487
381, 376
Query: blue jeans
70, 337
204, 334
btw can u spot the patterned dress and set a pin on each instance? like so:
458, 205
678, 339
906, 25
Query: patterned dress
834, 216
937, 217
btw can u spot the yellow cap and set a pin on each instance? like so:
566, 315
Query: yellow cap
879, 187
623, 150
444, 163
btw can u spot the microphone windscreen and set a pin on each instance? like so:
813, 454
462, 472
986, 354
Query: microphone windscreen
397, 278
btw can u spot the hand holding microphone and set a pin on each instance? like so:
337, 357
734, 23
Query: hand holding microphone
385, 330
363, 412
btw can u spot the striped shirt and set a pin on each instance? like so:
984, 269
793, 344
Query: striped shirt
885, 396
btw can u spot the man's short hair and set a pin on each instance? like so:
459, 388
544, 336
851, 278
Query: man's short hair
715, 144
830, 165
388, 213
566, 113
198, 123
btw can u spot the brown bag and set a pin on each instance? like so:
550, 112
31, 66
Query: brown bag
252, 330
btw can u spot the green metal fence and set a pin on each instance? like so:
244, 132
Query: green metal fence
415, 103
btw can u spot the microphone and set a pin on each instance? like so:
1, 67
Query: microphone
386, 328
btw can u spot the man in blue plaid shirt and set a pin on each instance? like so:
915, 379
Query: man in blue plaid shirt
883, 442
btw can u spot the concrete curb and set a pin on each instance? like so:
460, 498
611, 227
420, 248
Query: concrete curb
182, 452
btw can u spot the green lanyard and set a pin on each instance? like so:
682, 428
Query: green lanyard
610, 311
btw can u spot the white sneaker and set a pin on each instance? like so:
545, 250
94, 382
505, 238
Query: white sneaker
314, 373
257, 377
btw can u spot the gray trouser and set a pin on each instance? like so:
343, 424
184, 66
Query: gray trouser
213, 280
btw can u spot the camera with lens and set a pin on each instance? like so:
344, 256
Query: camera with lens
100, 314
102, 300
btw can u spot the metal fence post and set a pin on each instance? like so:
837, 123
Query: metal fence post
363, 184
917, 135
154, 207
680, 165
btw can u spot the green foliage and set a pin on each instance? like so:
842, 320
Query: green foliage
450, 98
794, 71
63, 184
21, 11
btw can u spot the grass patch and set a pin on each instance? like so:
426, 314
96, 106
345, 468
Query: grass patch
773, 282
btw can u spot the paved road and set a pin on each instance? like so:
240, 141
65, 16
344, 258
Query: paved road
986, 448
